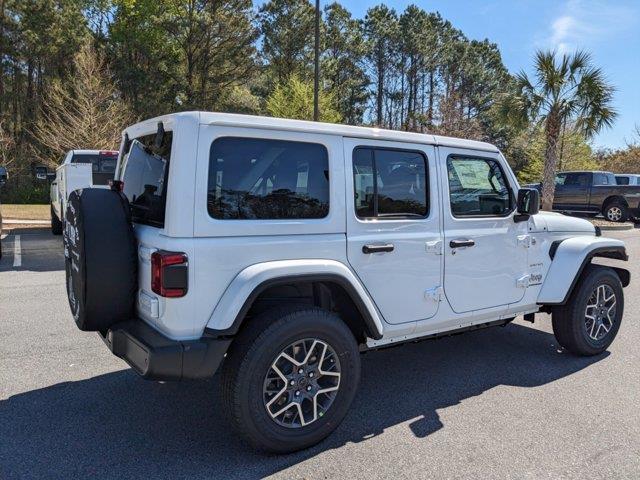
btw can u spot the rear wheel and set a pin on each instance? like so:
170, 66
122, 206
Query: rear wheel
616, 212
590, 320
290, 377
56, 223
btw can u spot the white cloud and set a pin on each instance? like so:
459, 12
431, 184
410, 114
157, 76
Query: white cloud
580, 23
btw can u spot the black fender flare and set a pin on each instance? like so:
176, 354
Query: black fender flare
370, 325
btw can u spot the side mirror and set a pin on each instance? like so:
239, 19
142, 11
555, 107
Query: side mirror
42, 173
4, 176
528, 201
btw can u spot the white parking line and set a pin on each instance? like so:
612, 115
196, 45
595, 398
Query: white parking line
17, 252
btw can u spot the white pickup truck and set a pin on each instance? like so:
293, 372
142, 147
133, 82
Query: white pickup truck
79, 169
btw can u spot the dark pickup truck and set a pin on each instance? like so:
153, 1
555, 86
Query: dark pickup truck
593, 193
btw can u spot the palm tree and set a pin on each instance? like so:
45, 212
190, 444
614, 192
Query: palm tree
565, 92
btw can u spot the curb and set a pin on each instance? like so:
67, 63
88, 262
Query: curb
616, 227
12, 221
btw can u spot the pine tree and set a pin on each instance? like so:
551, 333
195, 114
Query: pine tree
381, 33
343, 63
287, 28
294, 99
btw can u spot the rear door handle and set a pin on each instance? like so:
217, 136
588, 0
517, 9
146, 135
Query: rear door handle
462, 243
377, 248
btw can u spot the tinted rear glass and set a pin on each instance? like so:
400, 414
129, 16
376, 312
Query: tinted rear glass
103, 165
573, 179
622, 180
145, 172
254, 178
390, 183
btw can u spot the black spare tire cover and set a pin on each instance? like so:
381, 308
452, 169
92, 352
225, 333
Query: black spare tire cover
100, 258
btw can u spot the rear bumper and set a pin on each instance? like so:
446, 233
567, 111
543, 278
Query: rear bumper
157, 357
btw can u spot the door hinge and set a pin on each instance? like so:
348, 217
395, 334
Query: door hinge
525, 241
434, 247
434, 294
523, 282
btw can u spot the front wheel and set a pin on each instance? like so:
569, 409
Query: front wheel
290, 377
590, 320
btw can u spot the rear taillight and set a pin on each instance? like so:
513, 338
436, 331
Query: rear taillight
108, 153
169, 273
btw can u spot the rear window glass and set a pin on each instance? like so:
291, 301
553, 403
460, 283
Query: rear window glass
144, 174
103, 165
254, 178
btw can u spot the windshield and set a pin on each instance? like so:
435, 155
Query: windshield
144, 175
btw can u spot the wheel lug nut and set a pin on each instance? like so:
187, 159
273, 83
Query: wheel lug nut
301, 371
311, 374
308, 388
292, 382
297, 393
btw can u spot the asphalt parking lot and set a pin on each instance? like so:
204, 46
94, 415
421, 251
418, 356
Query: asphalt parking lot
498, 403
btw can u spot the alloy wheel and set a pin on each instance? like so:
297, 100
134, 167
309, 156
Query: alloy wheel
302, 383
600, 312
614, 214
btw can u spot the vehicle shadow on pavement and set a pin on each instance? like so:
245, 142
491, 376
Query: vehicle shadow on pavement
120, 426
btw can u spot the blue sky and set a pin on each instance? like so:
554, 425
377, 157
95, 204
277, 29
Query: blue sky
610, 30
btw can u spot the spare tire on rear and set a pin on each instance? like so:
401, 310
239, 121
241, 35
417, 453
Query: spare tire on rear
100, 258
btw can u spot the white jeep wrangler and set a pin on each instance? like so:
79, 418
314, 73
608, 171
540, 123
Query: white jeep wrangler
278, 250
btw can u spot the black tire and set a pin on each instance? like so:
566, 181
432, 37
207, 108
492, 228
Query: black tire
100, 258
570, 324
56, 223
250, 358
616, 212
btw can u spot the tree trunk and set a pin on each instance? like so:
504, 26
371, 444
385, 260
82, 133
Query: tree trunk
431, 95
552, 132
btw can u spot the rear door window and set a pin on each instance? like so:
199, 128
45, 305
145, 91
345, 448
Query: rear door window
256, 178
144, 174
573, 179
390, 183
600, 179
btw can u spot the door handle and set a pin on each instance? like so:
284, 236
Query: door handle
461, 243
377, 248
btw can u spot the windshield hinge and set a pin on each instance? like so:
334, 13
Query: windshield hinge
525, 241
523, 282
434, 294
434, 247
